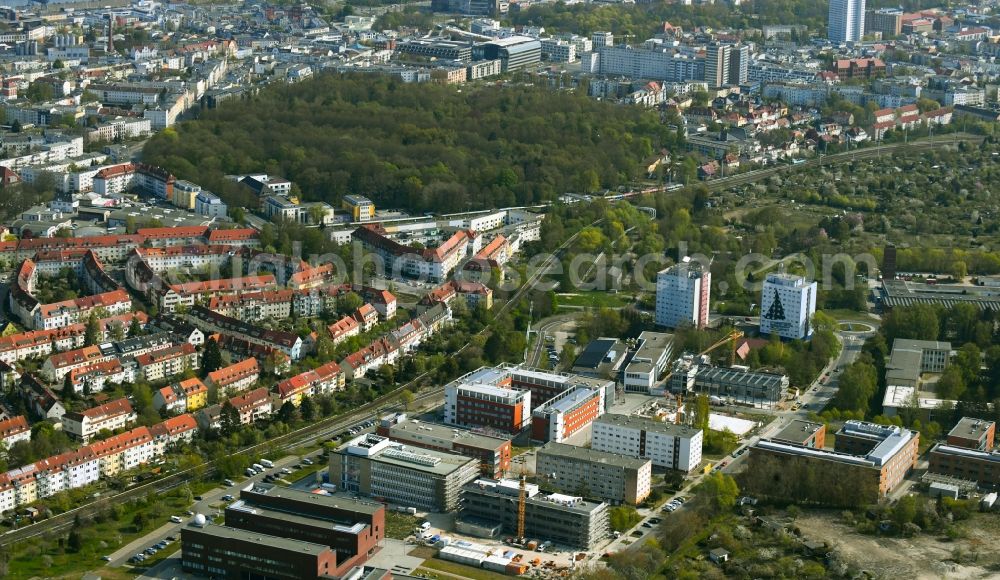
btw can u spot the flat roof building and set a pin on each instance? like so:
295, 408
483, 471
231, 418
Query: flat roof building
591, 473
353, 529
667, 445
378, 467
567, 413
739, 384
477, 404
602, 358
973, 433
874, 458
648, 362
980, 466
910, 358
224, 552
804, 433
682, 294
563, 519
493, 452
787, 305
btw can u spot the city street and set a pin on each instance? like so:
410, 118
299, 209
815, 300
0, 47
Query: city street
210, 505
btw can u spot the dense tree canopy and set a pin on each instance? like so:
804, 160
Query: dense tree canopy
420, 147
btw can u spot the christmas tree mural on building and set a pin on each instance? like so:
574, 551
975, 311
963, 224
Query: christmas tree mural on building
776, 311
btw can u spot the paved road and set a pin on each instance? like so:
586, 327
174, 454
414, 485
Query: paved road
210, 505
546, 326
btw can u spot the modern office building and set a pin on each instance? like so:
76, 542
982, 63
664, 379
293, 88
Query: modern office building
375, 466
353, 529
846, 22
484, 398
567, 413
359, 207
602, 358
682, 295
602, 39
546, 385
875, 458
911, 358
980, 466
514, 52
493, 453
562, 519
736, 384
590, 473
804, 433
973, 433
224, 552
649, 361
676, 447
787, 305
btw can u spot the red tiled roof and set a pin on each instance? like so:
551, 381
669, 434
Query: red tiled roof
13, 426
234, 372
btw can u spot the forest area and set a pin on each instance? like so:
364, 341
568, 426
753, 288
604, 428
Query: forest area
419, 147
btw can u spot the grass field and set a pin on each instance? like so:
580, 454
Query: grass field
594, 299
50, 556
453, 569
399, 525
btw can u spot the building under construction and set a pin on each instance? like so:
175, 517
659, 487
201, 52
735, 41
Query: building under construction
736, 384
490, 508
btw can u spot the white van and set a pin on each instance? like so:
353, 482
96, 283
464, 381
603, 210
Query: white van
425, 526
267, 463
257, 467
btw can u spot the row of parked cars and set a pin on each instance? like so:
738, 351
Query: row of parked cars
359, 427
152, 550
674, 504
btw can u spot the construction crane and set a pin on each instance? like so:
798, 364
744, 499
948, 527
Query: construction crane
732, 339
522, 499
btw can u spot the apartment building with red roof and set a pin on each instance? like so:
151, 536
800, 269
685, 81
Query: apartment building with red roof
167, 362
83, 425
343, 329
236, 377
14, 430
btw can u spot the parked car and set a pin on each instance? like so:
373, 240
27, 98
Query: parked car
228, 482
176, 519
228, 497
307, 461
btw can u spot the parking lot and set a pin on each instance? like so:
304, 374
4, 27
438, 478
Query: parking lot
210, 504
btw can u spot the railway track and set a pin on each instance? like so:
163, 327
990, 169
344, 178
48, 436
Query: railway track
320, 430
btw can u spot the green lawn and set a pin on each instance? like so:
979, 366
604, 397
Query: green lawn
399, 525
594, 299
51, 556
456, 569
306, 471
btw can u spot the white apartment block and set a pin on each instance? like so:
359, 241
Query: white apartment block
47, 153
787, 305
557, 50
120, 129
682, 295
676, 447
84, 425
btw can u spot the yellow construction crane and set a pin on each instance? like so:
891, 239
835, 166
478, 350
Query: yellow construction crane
522, 499
732, 339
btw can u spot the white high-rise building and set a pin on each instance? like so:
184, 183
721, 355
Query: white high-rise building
717, 64
847, 20
787, 305
667, 445
682, 295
